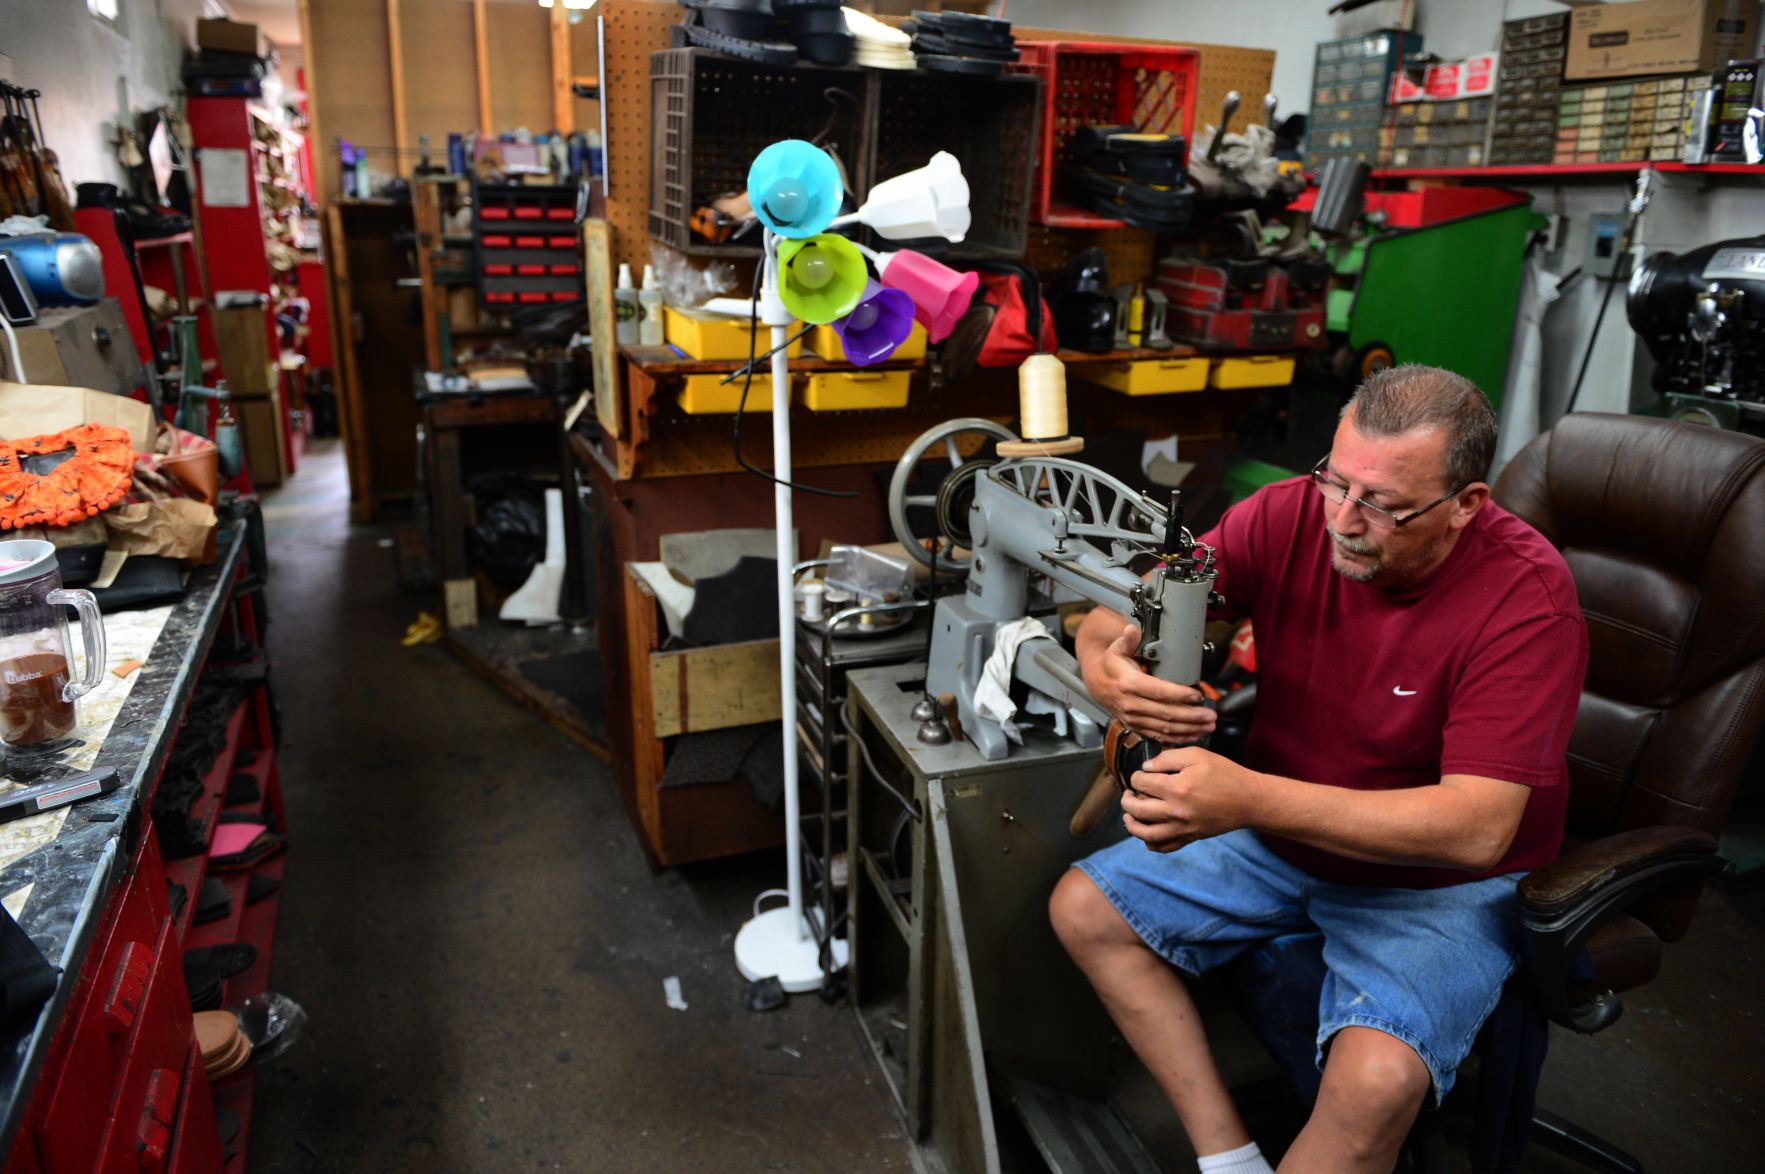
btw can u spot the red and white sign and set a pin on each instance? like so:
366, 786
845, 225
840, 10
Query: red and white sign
1473, 77
1442, 82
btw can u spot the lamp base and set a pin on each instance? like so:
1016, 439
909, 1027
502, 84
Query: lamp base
773, 945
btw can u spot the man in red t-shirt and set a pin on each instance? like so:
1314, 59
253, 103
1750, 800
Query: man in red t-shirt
1420, 654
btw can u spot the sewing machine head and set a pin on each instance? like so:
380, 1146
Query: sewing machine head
1031, 532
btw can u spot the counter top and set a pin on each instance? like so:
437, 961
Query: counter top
57, 889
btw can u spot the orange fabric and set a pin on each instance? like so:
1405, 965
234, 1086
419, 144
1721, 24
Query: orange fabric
93, 479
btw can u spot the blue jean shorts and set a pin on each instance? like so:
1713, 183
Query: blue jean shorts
1424, 965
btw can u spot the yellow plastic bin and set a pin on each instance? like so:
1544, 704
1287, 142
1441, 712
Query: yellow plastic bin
706, 395
1147, 376
847, 391
825, 341
1253, 371
718, 336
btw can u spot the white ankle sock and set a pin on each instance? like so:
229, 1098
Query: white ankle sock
1246, 1159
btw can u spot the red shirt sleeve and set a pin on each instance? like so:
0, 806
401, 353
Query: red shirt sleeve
1239, 543
1515, 702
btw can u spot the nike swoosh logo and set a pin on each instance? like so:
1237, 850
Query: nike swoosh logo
1402, 692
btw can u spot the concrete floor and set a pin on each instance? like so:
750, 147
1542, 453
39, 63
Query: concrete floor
471, 927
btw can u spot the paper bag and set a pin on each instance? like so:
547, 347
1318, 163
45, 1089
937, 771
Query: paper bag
34, 409
176, 528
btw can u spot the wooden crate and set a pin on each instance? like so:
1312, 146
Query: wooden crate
689, 691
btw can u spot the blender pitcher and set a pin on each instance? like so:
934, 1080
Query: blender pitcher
37, 691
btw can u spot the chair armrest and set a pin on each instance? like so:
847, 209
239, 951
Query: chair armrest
1562, 903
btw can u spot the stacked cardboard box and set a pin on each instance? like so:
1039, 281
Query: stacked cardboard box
1625, 122
1436, 134
1525, 124
1350, 81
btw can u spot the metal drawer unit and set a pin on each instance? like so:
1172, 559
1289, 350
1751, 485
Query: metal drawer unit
823, 661
1351, 86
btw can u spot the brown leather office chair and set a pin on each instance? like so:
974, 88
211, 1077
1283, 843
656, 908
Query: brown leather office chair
1663, 526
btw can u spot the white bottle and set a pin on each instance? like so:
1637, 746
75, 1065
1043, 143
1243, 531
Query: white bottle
626, 311
650, 301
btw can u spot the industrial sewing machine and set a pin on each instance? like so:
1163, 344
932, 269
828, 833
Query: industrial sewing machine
1032, 531
1702, 316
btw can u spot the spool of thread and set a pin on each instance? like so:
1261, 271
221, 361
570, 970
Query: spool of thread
1041, 397
814, 594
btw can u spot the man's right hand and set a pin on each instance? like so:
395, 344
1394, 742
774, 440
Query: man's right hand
1172, 714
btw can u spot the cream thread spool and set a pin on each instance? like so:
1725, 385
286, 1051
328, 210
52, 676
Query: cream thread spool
813, 596
1041, 397
1041, 402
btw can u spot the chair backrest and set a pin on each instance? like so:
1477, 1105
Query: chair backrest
1663, 526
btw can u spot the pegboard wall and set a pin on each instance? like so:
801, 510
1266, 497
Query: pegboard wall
634, 30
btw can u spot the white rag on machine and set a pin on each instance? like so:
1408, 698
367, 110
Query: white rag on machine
992, 696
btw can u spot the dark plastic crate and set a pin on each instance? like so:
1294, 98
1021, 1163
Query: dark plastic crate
988, 123
711, 114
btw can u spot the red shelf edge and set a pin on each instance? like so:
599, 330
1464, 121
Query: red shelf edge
1521, 170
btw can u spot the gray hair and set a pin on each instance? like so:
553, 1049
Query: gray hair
1412, 397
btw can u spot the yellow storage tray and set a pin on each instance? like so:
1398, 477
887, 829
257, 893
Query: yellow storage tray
706, 395
845, 391
825, 341
718, 336
1147, 376
1253, 371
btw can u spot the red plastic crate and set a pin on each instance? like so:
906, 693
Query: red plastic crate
1088, 83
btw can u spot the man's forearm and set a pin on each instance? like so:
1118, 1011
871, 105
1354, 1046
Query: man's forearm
1099, 630
1436, 826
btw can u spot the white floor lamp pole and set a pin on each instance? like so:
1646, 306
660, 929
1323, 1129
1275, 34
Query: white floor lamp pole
780, 942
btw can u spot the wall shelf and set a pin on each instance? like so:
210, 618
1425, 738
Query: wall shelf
1564, 170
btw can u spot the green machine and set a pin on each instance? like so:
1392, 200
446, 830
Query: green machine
1431, 277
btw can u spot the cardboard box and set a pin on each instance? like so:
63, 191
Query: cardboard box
230, 36
242, 336
80, 346
1657, 36
262, 428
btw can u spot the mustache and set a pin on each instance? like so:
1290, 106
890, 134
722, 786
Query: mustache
1353, 545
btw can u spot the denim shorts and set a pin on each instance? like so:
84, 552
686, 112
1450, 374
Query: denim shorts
1424, 965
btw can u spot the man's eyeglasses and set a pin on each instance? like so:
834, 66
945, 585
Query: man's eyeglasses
1334, 492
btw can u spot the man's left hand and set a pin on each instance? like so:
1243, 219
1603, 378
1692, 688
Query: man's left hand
1187, 794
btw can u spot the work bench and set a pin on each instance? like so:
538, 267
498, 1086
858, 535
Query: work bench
108, 1074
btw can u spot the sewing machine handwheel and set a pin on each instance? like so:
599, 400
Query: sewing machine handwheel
946, 435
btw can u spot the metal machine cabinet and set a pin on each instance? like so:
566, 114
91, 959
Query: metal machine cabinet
961, 990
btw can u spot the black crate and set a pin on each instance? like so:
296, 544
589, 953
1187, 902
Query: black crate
989, 123
711, 114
